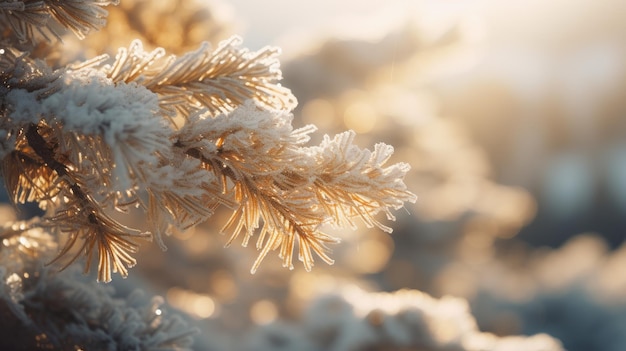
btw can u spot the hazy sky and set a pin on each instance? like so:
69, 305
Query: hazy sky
266, 22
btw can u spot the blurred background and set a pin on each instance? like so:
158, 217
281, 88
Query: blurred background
513, 118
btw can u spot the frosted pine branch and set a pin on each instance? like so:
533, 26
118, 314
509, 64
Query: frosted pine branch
49, 18
289, 190
177, 138
18, 71
350, 182
43, 309
215, 80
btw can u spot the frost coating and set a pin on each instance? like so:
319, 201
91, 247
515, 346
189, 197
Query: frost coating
90, 103
124, 116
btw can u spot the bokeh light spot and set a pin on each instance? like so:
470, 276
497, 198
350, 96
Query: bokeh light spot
204, 306
263, 312
224, 286
198, 305
319, 112
372, 254
360, 117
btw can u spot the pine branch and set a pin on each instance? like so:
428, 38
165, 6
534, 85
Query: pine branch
185, 196
289, 191
95, 137
215, 80
350, 182
46, 310
48, 18
80, 216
